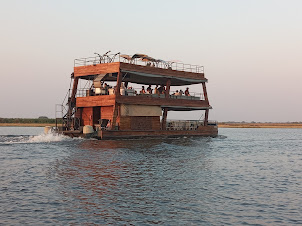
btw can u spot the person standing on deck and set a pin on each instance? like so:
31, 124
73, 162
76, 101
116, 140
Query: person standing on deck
106, 89
149, 90
161, 89
143, 90
156, 90
187, 93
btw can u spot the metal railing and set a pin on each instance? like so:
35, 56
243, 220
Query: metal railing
213, 123
187, 124
110, 58
184, 124
137, 92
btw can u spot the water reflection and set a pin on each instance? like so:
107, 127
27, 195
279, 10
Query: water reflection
125, 178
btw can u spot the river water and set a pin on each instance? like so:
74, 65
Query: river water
242, 177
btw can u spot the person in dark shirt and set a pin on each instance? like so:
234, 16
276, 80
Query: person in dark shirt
187, 93
161, 89
149, 89
143, 90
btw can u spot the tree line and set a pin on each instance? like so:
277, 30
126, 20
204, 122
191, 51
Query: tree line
28, 120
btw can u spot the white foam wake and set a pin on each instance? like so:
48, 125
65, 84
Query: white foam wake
49, 137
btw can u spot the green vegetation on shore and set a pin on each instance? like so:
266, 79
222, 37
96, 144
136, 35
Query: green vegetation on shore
40, 120
44, 121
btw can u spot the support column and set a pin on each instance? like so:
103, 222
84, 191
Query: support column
205, 91
206, 116
164, 119
117, 94
118, 83
168, 84
165, 113
71, 101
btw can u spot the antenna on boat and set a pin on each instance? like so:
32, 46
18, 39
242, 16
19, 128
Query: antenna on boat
112, 58
99, 57
106, 55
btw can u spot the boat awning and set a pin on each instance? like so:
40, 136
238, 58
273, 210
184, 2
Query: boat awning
182, 108
138, 74
156, 79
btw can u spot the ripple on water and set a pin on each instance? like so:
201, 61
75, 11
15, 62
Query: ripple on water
242, 177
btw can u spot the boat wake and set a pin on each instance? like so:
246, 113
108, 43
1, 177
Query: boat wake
47, 138
23, 139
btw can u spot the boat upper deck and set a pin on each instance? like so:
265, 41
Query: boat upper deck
139, 70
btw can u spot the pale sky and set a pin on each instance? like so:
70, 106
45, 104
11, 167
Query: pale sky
251, 50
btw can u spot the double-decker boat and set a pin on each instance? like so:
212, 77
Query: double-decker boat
104, 101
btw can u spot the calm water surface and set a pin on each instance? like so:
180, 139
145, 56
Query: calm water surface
243, 177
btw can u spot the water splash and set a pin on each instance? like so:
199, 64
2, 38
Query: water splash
47, 138
42, 138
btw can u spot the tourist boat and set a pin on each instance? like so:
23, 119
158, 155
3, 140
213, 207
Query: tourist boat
104, 101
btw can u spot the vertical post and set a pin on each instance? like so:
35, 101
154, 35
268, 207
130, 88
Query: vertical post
205, 92
117, 94
168, 84
206, 116
118, 83
164, 119
165, 113
71, 102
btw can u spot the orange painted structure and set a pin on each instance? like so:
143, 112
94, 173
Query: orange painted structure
123, 112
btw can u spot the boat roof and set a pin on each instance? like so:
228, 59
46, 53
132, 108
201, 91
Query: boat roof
142, 70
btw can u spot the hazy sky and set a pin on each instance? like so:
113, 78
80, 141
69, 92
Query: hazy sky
251, 50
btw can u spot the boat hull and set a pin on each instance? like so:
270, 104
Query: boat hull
205, 131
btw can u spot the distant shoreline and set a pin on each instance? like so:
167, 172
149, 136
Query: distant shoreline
259, 125
26, 124
220, 125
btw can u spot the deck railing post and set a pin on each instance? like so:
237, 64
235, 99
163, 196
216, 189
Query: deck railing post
168, 84
118, 94
164, 119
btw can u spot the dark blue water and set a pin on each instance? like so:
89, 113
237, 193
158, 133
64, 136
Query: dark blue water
243, 177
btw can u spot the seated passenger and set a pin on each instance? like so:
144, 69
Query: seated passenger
143, 90
176, 93
181, 93
164, 89
156, 90
187, 93
161, 89
106, 89
108, 126
123, 89
149, 90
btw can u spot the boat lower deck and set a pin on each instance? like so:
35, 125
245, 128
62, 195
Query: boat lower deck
210, 130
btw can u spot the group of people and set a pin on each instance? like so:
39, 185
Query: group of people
105, 87
162, 89
157, 90
180, 93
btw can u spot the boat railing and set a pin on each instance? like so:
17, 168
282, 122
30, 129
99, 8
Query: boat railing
187, 124
212, 123
110, 58
137, 92
184, 124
